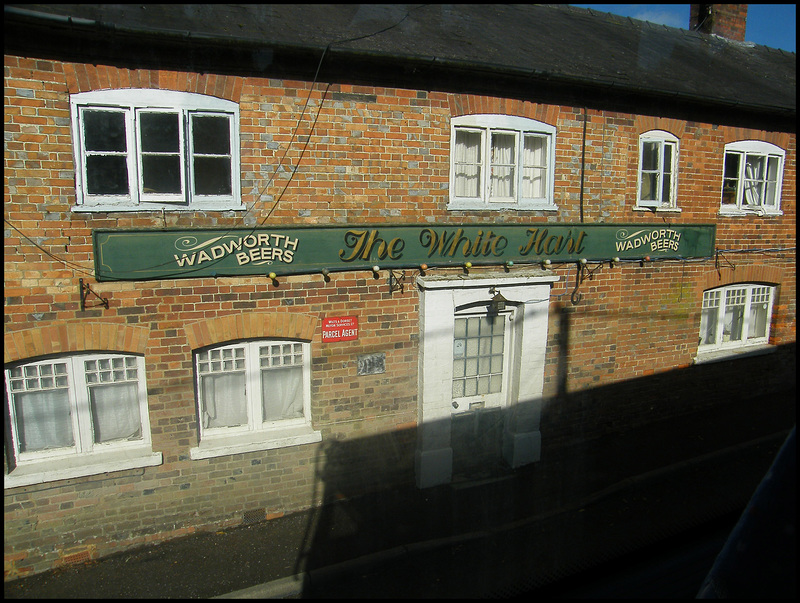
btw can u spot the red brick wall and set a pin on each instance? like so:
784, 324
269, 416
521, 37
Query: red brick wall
376, 155
726, 20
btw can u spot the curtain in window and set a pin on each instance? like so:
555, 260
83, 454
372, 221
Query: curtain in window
115, 412
224, 402
759, 311
467, 163
534, 165
282, 393
709, 318
753, 179
733, 320
44, 420
503, 163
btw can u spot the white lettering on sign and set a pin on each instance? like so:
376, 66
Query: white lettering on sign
659, 239
263, 248
340, 328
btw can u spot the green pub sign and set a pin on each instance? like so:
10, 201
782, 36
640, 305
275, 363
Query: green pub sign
168, 254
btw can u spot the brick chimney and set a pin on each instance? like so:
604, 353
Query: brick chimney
726, 20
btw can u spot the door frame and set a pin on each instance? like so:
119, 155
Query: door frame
440, 295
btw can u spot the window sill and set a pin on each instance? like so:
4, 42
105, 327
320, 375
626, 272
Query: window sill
735, 212
55, 469
675, 210
218, 206
480, 206
214, 446
731, 353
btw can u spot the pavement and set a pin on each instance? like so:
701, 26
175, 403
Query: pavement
505, 535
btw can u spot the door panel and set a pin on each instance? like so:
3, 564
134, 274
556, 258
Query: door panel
481, 359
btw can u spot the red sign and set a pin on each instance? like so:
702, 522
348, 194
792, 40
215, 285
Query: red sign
342, 328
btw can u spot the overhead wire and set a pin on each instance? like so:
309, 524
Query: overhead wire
264, 188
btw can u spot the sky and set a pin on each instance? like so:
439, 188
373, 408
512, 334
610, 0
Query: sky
773, 25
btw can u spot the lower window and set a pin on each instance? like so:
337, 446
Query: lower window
257, 392
72, 412
736, 315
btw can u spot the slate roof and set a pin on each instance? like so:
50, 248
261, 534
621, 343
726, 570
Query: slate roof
544, 46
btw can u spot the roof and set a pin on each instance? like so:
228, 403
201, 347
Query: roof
526, 49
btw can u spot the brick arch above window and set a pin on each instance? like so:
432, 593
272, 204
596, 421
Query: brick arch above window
645, 123
74, 337
250, 326
84, 78
467, 104
742, 274
780, 139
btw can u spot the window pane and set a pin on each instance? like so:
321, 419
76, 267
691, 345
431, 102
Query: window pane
160, 132
733, 319
104, 131
730, 183
224, 401
650, 155
503, 165
212, 176
161, 174
44, 420
282, 393
649, 187
106, 175
477, 352
668, 153
534, 170
211, 135
772, 181
467, 164
754, 179
666, 185
115, 412
759, 309
666, 189
708, 326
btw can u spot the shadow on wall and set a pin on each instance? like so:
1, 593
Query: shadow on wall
702, 437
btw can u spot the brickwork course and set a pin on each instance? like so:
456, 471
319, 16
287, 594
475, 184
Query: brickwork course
370, 149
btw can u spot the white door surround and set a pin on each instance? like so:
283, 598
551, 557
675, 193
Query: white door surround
440, 297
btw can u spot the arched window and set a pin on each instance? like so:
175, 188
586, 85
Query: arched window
735, 316
152, 149
253, 395
75, 415
752, 178
501, 162
658, 166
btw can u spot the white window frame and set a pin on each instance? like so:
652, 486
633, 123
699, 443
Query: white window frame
718, 298
745, 149
662, 139
132, 103
519, 127
257, 434
84, 457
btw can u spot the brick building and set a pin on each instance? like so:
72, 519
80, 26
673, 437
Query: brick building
237, 235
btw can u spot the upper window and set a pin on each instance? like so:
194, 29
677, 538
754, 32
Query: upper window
498, 162
152, 149
254, 394
736, 315
752, 177
70, 415
658, 160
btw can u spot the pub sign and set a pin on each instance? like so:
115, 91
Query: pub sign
168, 254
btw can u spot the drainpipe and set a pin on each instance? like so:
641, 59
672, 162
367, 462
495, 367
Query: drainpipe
583, 159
